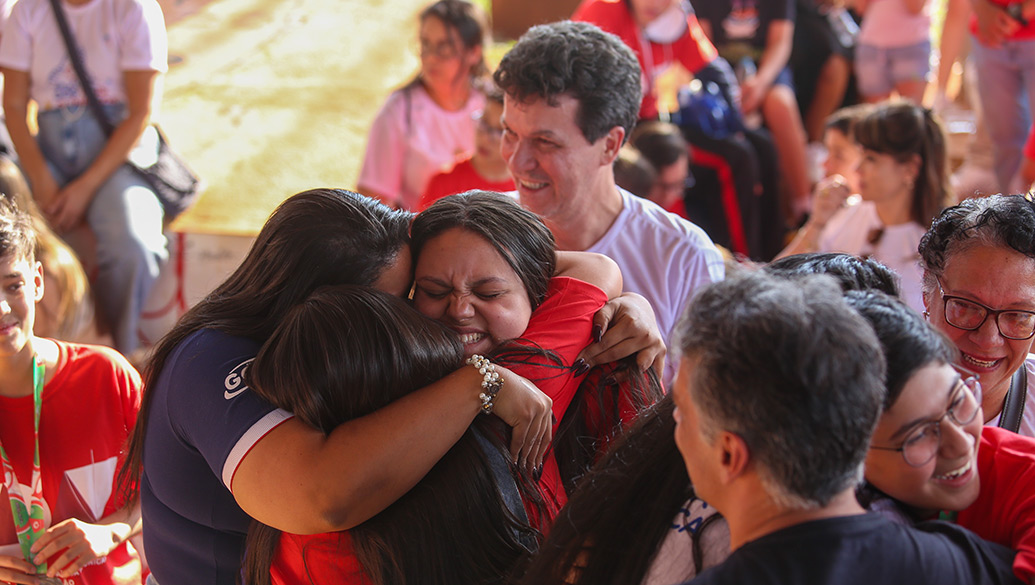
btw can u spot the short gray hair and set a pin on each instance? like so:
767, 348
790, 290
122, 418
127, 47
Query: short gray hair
789, 367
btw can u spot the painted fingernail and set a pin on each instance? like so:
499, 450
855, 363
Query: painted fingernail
580, 367
598, 333
537, 472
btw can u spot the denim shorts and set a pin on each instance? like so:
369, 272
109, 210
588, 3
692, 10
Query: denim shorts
878, 70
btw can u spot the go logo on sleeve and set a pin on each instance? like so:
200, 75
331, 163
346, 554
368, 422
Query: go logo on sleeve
234, 381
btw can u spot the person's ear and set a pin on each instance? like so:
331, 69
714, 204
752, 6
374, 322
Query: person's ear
927, 295
914, 164
612, 144
735, 455
37, 282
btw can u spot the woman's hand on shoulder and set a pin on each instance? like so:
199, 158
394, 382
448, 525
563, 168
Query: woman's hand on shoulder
530, 413
626, 326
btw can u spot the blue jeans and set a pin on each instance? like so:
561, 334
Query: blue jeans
1006, 86
124, 215
879, 69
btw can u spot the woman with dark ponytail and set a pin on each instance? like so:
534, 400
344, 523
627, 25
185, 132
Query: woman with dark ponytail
903, 185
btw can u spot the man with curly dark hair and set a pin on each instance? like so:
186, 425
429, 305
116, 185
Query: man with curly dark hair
572, 94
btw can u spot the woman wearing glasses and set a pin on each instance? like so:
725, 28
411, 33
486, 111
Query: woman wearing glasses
978, 260
930, 456
426, 124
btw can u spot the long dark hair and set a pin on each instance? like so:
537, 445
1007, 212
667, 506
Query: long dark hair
903, 130
526, 244
347, 351
314, 238
613, 524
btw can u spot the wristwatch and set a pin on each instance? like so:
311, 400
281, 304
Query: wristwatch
1016, 12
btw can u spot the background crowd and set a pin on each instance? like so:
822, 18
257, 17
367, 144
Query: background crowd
578, 323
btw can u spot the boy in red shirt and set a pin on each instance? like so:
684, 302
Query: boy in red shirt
485, 169
66, 411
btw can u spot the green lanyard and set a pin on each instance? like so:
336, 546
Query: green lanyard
28, 518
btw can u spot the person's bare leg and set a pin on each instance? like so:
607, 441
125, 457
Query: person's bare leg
780, 110
954, 38
830, 92
912, 90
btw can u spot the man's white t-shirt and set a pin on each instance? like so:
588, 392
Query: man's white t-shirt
663, 257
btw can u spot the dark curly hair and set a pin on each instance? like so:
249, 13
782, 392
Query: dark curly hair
851, 272
582, 61
999, 220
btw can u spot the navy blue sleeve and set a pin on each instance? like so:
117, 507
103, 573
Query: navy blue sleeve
210, 407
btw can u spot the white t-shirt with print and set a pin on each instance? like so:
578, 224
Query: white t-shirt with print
114, 36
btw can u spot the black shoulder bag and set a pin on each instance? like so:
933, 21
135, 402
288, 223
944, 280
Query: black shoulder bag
1013, 404
169, 177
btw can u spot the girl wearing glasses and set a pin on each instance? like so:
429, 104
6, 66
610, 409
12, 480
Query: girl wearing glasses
978, 260
930, 456
426, 124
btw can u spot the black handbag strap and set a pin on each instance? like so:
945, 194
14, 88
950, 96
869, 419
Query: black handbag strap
80, 70
1013, 404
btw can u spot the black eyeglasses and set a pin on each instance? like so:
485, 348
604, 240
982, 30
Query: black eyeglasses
921, 445
970, 315
442, 50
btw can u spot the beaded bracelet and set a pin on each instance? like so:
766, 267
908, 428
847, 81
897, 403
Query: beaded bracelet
491, 381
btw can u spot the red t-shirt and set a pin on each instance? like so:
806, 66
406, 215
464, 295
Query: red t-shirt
693, 50
89, 408
462, 177
316, 558
563, 323
1025, 33
1004, 512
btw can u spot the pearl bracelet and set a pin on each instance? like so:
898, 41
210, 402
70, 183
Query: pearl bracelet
491, 381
